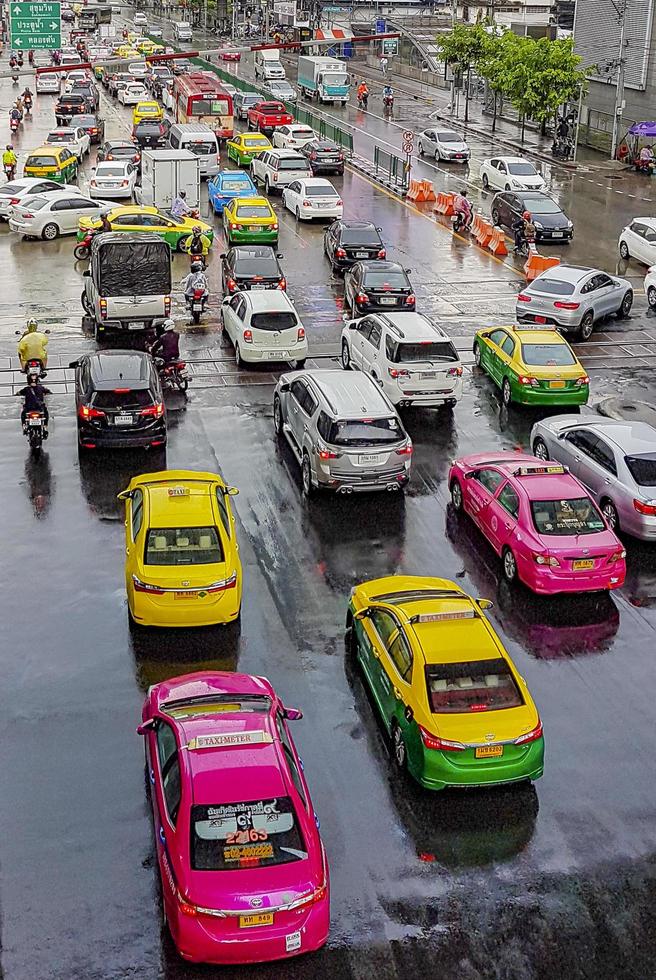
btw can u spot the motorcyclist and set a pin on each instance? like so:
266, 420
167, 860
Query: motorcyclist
15, 114
33, 395
462, 205
19, 106
180, 208
197, 243
9, 160
105, 224
363, 93
26, 95
388, 92
195, 280
33, 346
524, 230
13, 61
30, 56
167, 345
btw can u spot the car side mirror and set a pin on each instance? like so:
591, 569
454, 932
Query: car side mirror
231, 491
361, 614
484, 603
284, 386
408, 271
379, 229
292, 714
279, 255
86, 274
145, 726
73, 364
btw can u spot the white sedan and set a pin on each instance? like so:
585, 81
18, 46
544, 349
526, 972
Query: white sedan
511, 174
132, 93
17, 190
74, 138
73, 77
53, 214
292, 136
638, 241
443, 144
113, 178
314, 197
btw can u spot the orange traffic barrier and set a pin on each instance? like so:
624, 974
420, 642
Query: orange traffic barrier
416, 191
429, 193
535, 264
445, 204
483, 233
497, 243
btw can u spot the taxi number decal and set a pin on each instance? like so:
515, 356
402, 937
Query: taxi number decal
244, 836
250, 851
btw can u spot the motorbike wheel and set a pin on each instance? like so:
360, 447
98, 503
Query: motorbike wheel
195, 316
81, 252
35, 439
182, 383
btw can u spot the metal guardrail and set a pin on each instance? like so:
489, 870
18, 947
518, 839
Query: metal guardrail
391, 169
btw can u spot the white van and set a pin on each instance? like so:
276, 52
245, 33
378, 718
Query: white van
201, 141
182, 31
47, 84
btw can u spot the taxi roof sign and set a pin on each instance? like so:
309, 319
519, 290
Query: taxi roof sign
551, 470
443, 616
178, 491
226, 740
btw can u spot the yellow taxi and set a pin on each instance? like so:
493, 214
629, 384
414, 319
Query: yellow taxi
532, 366
454, 705
134, 217
244, 146
249, 220
126, 51
150, 111
145, 46
182, 564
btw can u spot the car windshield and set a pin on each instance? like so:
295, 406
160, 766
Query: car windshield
643, 469
481, 685
41, 161
123, 400
110, 171
183, 546
327, 191
360, 236
254, 834
542, 205
393, 279
426, 351
290, 164
253, 211
449, 138
566, 517
554, 286
216, 704
547, 355
281, 320
365, 432
522, 169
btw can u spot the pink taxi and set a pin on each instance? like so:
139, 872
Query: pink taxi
243, 868
543, 523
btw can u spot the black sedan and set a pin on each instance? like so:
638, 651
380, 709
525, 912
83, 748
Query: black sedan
384, 286
93, 125
551, 223
251, 267
346, 242
324, 156
119, 150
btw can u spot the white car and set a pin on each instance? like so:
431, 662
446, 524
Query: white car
511, 174
264, 326
638, 241
50, 215
650, 285
292, 136
17, 190
113, 178
132, 93
138, 70
156, 32
140, 20
280, 89
230, 89
168, 100
74, 138
47, 84
73, 77
443, 144
314, 197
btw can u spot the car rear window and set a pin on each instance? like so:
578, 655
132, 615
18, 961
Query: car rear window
327, 191
303, 133
148, 129
360, 236
380, 279
481, 685
643, 469
253, 834
201, 149
183, 546
253, 211
109, 170
253, 141
575, 516
125, 151
274, 321
288, 163
429, 351
60, 137
34, 203
236, 184
555, 286
41, 161
547, 355
365, 432
256, 265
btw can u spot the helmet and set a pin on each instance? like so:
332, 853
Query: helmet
527, 215
32, 325
196, 266
196, 229
10, 146
464, 192
168, 324
183, 193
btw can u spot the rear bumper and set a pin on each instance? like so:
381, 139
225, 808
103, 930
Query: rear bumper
440, 769
429, 399
208, 610
104, 439
545, 581
571, 322
327, 168
524, 395
254, 355
253, 237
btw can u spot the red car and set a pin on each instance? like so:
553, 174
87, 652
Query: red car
265, 116
230, 55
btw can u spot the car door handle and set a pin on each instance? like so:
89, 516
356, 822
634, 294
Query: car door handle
577, 458
151, 775
607, 481
508, 525
162, 835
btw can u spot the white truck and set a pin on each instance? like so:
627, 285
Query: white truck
325, 79
164, 173
268, 65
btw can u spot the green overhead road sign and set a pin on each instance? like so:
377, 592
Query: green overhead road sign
35, 26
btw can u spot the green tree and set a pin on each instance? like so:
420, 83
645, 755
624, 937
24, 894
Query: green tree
464, 48
493, 67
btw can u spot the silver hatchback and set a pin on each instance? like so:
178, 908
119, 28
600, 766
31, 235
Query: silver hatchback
574, 298
343, 430
614, 459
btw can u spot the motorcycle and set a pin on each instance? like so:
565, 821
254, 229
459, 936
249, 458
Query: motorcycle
173, 375
34, 428
82, 250
196, 303
198, 257
525, 247
562, 148
14, 78
363, 101
27, 102
14, 123
388, 104
10, 170
33, 366
462, 220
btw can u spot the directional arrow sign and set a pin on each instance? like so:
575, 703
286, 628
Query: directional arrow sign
35, 25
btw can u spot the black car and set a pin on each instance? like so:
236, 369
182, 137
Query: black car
324, 156
93, 125
119, 400
119, 150
68, 16
384, 286
72, 104
89, 91
251, 267
551, 222
346, 242
151, 134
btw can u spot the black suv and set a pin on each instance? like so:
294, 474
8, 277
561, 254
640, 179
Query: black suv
119, 401
251, 267
150, 133
324, 156
346, 242
119, 150
380, 286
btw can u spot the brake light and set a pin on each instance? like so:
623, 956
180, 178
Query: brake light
566, 306
231, 284
248, 336
167, 305
124, 183
617, 556
433, 742
405, 450
156, 410
228, 583
14, 200
398, 373
121, 391
103, 308
339, 202
275, 178
546, 560
455, 372
362, 298
86, 412
340, 156
275, 226
582, 381
382, 253
523, 298
233, 225
140, 586
532, 736
647, 509
26, 215
186, 908
328, 454
340, 253
34, 415
282, 284
317, 895
92, 131
527, 380
300, 333
313, 155
410, 300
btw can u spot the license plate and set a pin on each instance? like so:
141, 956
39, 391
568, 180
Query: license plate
34, 421
278, 354
123, 420
540, 319
361, 255
582, 564
388, 300
428, 374
256, 919
255, 227
556, 384
258, 285
185, 595
135, 325
488, 751
556, 234
370, 458
198, 307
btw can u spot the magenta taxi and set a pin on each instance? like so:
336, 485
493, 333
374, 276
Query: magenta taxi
243, 868
543, 523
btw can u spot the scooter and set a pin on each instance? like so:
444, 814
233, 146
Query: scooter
27, 102
525, 247
34, 428
82, 250
173, 375
196, 303
363, 100
10, 171
388, 104
33, 366
462, 221
14, 78
14, 123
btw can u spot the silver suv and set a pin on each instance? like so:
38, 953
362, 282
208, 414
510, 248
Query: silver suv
278, 168
343, 430
574, 298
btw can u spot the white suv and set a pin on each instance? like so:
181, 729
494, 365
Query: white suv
264, 326
412, 359
278, 168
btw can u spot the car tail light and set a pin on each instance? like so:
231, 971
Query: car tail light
14, 200
26, 214
455, 372
135, 158
124, 183
382, 253
433, 742
566, 306
275, 226
340, 253
275, 178
186, 908
86, 412
93, 183
525, 379
643, 508
313, 155
248, 336
617, 556
317, 895
398, 373
410, 300
231, 284
339, 203
226, 583
531, 736
103, 308
327, 454
300, 333
233, 225
156, 410
282, 284
361, 298
546, 560
167, 305
582, 381
341, 156
140, 586
523, 298
405, 450
92, 131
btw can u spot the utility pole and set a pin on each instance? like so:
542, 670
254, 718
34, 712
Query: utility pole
619, 89
454, 21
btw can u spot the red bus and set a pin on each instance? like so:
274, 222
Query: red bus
199, 97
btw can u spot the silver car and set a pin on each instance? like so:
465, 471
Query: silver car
443, 144
614, 459
343, 430
574, 298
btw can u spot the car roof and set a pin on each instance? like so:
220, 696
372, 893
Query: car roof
316, 182
650, 221
350, 394
512, 159
566, 273
193, 508
120, 368
412, 327
544, 336
629, 437
289, 154
273, 300
536, 484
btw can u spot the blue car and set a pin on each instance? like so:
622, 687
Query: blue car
228, 185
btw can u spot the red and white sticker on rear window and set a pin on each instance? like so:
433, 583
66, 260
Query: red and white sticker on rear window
226, 740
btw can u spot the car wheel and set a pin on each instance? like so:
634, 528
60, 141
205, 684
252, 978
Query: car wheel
587, 326
509, 565
86, 305
486, 182
609, 511
306, 476
267, 188
477, 355
297, 214
495, 217
50, 232
506, 392
238, 359
398, 746
651, 296
624, 250
346, 356
540, 449
277, 416
421, 149
627, 303
456, 495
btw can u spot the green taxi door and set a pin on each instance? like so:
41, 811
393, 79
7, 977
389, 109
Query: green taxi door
489, 348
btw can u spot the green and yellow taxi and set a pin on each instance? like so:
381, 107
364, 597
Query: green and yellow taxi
135, 218
54, 162
244, 146
454, 705
249, 220
532, 366
146, 46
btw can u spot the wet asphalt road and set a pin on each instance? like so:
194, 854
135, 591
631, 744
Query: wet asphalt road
554, 880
